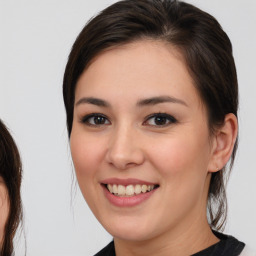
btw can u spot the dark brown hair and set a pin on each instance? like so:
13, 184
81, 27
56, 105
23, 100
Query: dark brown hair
206, 48
11, 172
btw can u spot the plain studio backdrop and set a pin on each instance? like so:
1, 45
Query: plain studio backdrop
36, 38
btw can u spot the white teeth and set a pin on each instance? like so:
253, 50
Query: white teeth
130, 190
121, 190
144, 188
114, 189
137, 189
110, 188
150, 187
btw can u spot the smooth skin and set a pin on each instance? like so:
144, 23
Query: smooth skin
4, 209
138, 115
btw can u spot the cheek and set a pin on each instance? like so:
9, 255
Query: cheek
182, 164
87, 158
87, 153
179, 154
182, 161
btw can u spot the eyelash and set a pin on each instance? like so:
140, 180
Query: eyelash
86, 119
165, 117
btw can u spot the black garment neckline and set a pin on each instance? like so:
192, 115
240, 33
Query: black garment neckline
227, 246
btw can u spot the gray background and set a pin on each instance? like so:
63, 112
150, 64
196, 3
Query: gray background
36, 37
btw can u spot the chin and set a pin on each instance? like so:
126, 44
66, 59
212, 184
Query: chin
130, 229
131, 235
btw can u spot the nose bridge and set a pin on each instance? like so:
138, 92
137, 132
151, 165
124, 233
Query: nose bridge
124, 150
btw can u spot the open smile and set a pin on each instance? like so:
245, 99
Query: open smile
128, 192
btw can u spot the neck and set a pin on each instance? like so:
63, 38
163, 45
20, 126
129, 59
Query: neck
179, 243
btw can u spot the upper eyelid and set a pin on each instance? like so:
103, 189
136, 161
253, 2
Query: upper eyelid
94, 114
160, 114
86, 117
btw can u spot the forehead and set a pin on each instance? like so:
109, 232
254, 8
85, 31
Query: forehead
145, 66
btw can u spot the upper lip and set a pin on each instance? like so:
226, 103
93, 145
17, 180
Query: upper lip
126, 182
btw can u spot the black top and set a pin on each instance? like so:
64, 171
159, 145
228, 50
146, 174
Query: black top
227, 246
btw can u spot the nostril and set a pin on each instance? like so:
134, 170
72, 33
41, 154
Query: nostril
124, 152
125, 160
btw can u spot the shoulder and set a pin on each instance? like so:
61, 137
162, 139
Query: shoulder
109, 250
247, 251
227, 246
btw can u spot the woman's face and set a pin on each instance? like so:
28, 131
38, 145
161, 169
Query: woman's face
139, 125
4, 208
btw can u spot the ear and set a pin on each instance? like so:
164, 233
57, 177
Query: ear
223, 143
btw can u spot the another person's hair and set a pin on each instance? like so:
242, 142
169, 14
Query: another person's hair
11, 173
204, 45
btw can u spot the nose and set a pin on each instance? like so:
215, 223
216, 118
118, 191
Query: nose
124, 149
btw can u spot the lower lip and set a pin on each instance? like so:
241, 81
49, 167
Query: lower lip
127, 201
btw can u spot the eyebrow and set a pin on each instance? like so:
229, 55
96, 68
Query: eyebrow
160, 99
93, 101
140, 103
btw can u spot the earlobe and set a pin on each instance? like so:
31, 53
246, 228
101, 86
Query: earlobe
223, 144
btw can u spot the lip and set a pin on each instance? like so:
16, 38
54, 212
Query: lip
126, 201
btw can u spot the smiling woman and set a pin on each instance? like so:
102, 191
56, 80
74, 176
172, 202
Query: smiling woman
151, 97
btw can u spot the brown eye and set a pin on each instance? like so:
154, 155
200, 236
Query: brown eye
95, 120
99, 120
160, 119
